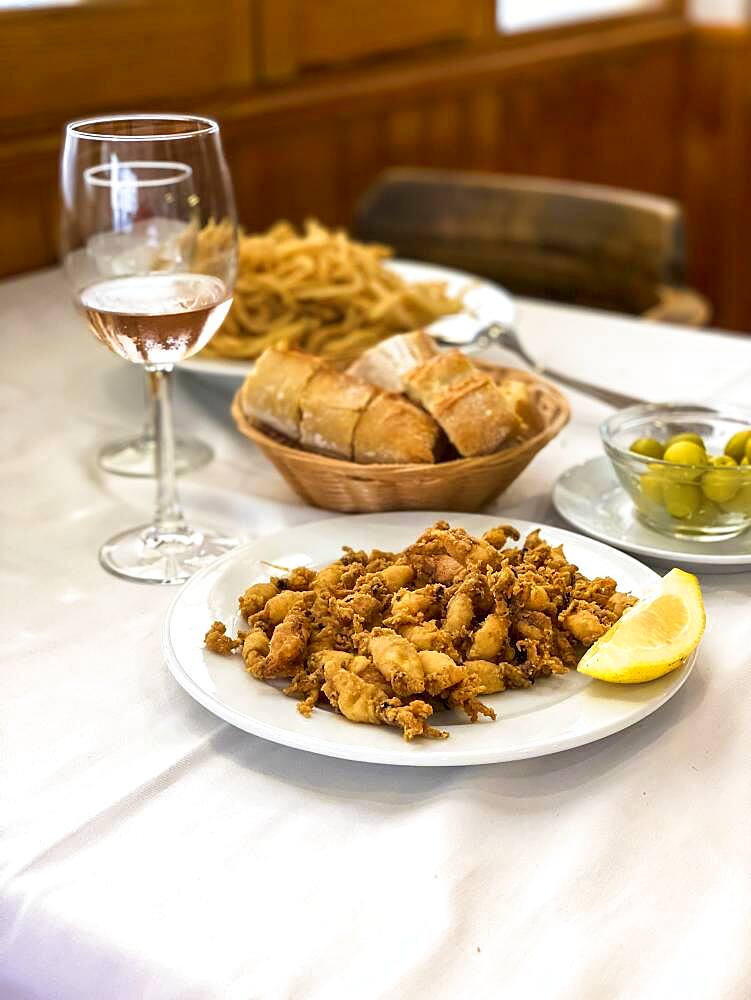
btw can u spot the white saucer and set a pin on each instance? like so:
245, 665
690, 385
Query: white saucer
590, 497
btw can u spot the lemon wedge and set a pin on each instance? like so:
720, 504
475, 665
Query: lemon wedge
653, 637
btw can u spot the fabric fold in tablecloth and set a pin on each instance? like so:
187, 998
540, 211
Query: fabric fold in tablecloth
150, 852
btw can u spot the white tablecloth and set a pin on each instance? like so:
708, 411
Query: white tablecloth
150, 851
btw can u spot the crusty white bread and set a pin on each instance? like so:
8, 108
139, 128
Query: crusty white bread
520, 402
332, 413
465, 401
475, 416
331, 404
391, 430
271, 393
429, 382
387, 363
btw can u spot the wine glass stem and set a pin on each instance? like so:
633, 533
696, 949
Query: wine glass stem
169, 516
147, 431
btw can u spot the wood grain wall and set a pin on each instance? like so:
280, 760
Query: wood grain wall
716, 188
563, 110
312, 115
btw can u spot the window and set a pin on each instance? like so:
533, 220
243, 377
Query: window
36, 4
525, 15
719, 11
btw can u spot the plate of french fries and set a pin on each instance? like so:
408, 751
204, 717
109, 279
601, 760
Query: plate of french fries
320, 291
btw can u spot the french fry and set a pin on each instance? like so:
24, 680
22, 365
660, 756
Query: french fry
319, 291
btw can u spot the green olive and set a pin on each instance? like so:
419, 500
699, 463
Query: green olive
741, 502
685, 461
736, 446
693, 438
744, 460
685, 453
650, 484
681, 499
722, 461
720, 485
748, 450
650, 447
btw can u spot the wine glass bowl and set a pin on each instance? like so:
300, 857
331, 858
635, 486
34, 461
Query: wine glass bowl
156, 319
149, 249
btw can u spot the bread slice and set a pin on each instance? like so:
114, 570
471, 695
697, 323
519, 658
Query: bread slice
332, 403
475, 416
392, 430
271, 393
430, 382
387, 364
465, 401
519, 400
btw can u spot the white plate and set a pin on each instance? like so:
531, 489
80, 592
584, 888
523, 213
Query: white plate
556, 714
590, 497
484, 303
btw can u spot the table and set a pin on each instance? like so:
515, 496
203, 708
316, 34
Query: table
150, 851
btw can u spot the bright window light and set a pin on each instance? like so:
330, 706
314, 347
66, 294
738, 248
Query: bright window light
523, 15
37, 4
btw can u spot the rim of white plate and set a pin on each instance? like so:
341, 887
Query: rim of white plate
403, 754
699, 554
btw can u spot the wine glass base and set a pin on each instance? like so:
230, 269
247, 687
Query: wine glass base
136, 457
148, 556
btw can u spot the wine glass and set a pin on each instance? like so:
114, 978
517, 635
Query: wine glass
135, 456
149, 247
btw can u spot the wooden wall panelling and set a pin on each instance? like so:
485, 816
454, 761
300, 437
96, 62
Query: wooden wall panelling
336, 30
276, 38
28, 227
485, 131
58, 62
28, 203
429, 80
61, 62
292, 176
405, 133
544, 119
446, 131
648, 129
524, 102
429, 75
251, 176
313, 146
308, 170
716, 190
363, 153
299, 34
587, 120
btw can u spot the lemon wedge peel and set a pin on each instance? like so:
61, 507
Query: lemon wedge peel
652, 638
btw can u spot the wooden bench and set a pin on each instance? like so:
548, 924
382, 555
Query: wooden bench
559, 240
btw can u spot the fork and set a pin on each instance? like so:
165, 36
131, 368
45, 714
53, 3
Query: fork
499, 335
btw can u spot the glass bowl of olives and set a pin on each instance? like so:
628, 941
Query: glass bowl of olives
686, 467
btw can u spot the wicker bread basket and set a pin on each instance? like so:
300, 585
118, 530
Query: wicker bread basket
465, 484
